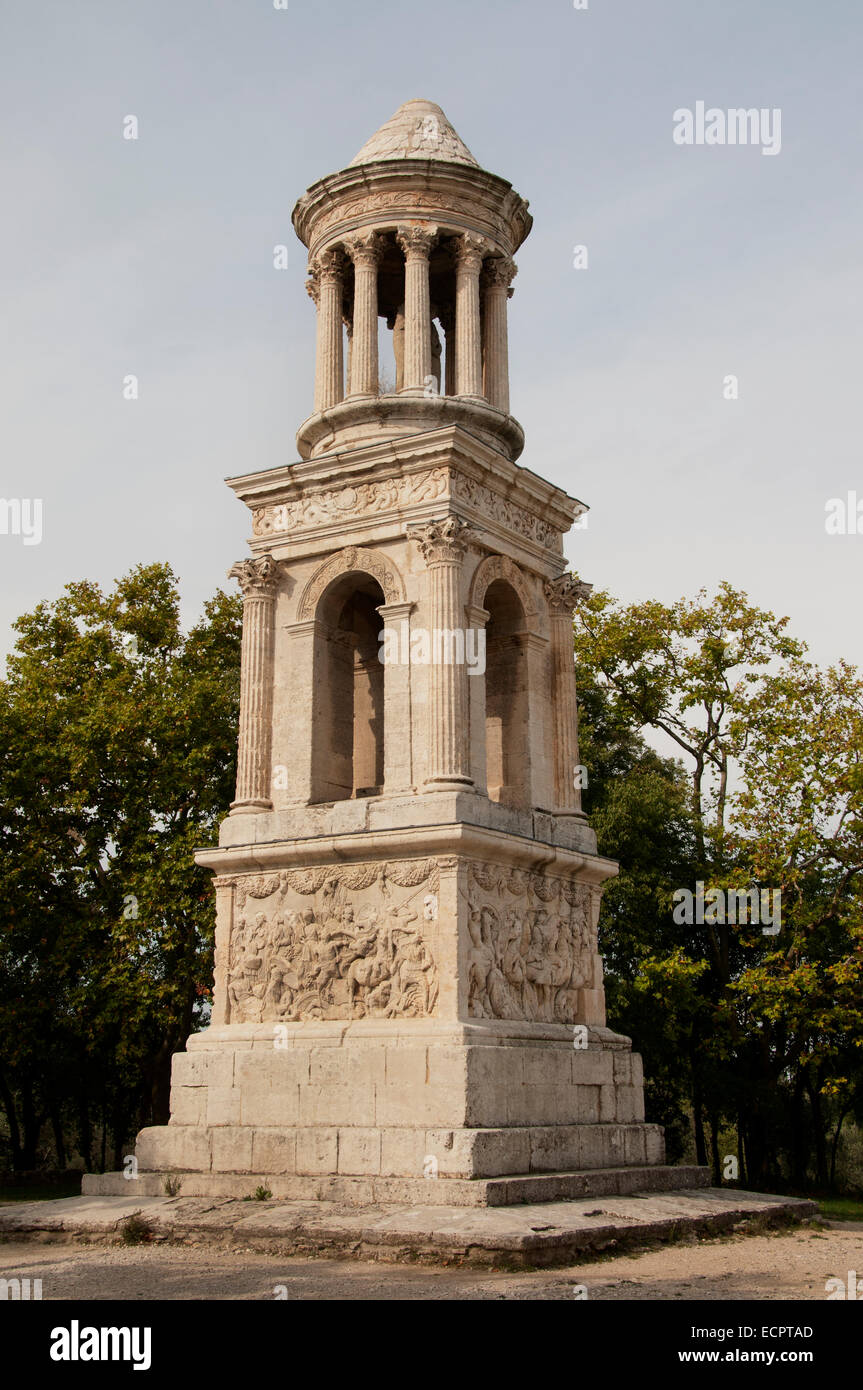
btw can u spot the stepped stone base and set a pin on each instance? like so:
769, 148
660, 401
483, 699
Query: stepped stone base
554, 1233
447, 1192
465, 1114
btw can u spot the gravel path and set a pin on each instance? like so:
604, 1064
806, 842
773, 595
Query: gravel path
789, 1265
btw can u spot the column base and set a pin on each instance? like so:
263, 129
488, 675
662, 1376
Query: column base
249, 808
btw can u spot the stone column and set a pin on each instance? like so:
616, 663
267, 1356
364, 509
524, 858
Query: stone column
365, 251
258, 580
417, 242
447, 323
443, 544
496, 278
477, 618
398, 733
563, 594
468, 340
325, 287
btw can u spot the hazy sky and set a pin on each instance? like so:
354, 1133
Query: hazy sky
155, 257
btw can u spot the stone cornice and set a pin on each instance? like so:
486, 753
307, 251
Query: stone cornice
458, 197
449, 448
422, 840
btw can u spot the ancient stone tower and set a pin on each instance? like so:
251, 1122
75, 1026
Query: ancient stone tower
407, 983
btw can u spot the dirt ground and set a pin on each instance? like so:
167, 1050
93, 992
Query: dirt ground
793, 1264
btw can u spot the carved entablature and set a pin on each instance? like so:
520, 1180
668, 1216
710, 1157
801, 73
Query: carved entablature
392, 496
509, 514
335, 942
532, 944
353, 559
394, 206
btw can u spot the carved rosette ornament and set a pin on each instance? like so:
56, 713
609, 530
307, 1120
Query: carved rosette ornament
443, 544
258, 579
563, 594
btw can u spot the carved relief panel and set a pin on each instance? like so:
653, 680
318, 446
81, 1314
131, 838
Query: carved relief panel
334, 942
531, 944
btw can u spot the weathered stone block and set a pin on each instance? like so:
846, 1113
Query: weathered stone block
232, 1150
317, 1150
359, 1151
274, 1151
188, 1105
223, 1105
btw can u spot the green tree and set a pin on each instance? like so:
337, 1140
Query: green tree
771, 749
117, 733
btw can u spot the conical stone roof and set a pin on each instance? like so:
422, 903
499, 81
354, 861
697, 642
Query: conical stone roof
418, 130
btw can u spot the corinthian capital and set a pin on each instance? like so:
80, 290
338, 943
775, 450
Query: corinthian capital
329, 265
416, 241
313, 283
444, 540
257, 578
498, 272
564, 593
468, 251
366, 248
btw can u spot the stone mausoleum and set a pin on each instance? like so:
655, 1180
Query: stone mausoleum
408, 1000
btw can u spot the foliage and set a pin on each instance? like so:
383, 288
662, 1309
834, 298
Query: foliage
764, 1031
117, 748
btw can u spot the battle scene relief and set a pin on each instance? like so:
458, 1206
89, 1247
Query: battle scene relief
334, 942
532, 944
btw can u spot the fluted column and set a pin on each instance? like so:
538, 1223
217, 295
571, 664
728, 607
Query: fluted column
365, 252
468, 340
417, 242
447, 323
563, 594
497, 275
325, 287
258, 580
443, 544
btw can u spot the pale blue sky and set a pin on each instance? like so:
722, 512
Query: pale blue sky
155, 258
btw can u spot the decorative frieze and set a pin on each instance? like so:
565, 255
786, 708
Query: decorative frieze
334, 942
319, 508
532, 944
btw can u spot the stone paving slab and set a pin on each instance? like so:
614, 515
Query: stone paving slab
540, 1234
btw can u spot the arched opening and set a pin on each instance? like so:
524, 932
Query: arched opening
506, 697
348, 695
